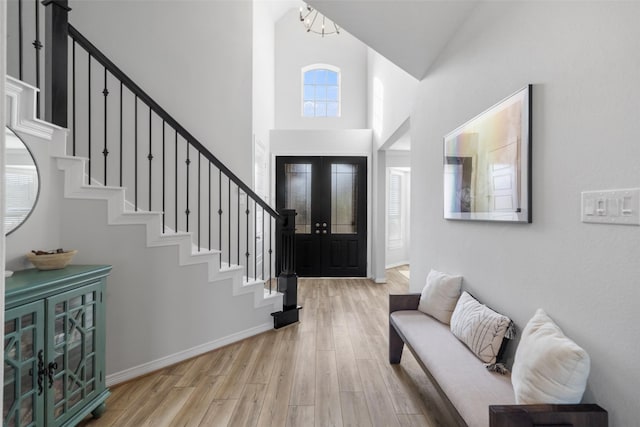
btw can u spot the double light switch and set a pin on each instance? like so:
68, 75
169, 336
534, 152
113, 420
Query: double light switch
612, 206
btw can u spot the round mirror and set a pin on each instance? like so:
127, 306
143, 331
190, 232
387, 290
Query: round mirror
21, 182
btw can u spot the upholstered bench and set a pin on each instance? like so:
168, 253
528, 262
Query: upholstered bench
479, 396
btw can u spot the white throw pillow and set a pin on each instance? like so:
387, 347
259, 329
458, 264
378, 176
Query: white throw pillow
480, 328
440, 295
548, 366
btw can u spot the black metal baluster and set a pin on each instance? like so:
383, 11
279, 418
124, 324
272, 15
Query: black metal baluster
187, 211
247, 237
121, 134
209, 216
238, 257
20, 53
176, 182
255, 240
270, 253
163, 176
150, 157
73, 96
229, 225
89, 115
37, 45
220, 213
135, 154
263, 257
105, 152
199, 181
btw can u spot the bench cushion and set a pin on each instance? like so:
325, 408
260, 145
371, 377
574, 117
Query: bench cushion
470, 387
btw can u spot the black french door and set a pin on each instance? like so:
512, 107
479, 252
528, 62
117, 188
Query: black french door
329, 195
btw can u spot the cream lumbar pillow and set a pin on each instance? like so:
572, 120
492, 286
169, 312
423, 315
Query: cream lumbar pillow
548, 367
480, 328
440, 295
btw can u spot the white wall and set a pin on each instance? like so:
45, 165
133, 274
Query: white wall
192, 57
348, 142
295, 48
263, 74
582, 59
399, 91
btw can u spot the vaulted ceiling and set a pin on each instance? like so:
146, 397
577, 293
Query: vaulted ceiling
409, 33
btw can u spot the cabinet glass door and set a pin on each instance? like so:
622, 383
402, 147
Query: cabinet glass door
23, 358
75, 349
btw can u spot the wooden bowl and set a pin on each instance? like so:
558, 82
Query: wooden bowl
51, 261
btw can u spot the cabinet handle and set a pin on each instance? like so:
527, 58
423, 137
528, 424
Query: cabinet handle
52, 370
41, 371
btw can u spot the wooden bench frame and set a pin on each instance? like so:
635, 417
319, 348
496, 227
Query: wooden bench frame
581, 415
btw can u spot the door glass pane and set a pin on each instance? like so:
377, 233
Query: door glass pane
27, 343
27, 320
10, 326
26, 410
297, 194
344, 198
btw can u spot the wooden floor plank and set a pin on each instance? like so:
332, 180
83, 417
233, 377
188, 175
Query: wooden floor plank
175, 399
378, 400
328, 411
265, 361
299, 416
247, 410
192, 413
219, 413
354, 409
276, 403
242, 365
304, 380
348, 376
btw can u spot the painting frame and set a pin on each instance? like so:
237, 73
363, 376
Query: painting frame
487, 163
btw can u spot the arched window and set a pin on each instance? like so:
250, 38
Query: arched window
320, 91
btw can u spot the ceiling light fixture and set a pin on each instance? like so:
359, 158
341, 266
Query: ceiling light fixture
316, 22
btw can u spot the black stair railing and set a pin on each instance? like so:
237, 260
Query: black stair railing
111, 116
129, 139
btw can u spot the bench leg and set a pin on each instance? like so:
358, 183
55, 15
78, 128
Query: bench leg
395, 346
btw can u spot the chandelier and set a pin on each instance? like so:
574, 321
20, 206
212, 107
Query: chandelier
316, 22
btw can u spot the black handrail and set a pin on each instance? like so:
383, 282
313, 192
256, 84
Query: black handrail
143, 96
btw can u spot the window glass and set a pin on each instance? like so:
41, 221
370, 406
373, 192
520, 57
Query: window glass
321, 92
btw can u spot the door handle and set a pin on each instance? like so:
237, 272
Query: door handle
324, 231
324, 224
51, 371
317, 224
41, 372
317, 231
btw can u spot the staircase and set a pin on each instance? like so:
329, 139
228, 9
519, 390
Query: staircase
175, 291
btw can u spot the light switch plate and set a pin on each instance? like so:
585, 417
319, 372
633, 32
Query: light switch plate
611, 206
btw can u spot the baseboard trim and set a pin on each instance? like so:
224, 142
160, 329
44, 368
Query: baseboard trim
146, 368
397, 264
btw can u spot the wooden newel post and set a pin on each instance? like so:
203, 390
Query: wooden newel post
56, 54
287, 279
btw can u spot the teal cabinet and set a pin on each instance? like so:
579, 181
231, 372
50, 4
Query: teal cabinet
54, 347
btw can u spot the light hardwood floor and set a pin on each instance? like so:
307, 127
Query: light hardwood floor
330, 369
